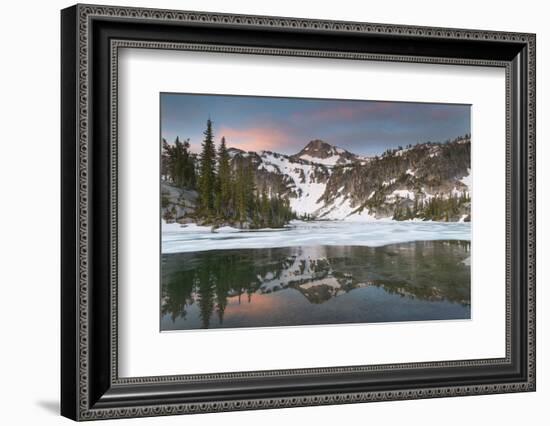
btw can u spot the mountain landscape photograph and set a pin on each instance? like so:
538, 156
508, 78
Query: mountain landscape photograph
282, 211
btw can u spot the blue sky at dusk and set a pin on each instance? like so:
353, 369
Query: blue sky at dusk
286, 125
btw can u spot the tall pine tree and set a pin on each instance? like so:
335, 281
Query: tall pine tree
249, 188
165, 160
207, 180
240, 193
188, 165
178, 163
223, 190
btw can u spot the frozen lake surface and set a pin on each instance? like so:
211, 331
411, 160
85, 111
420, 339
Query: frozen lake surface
192, 238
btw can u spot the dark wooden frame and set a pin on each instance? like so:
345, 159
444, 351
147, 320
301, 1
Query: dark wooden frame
90, 386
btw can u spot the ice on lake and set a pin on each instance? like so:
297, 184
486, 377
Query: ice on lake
192, 238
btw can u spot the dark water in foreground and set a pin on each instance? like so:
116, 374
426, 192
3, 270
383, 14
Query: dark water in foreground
422, 280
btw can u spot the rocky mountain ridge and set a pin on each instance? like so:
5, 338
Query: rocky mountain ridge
427, 181
326, 182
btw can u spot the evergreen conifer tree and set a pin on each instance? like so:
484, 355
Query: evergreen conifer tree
240, 193
207, 180
188, 166
224, 180
165, 159
249, 188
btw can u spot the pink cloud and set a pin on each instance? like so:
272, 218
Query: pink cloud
348, 111
255, 138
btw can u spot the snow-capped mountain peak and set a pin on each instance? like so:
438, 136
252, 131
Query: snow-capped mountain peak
319, 149
321, 152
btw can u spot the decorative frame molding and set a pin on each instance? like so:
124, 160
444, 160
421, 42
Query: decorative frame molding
91, 37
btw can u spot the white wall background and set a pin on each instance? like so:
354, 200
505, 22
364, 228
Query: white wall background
29, 212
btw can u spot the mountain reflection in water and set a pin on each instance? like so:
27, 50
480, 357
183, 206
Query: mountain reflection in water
422, 280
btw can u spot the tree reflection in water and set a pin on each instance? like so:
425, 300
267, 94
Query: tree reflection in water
207, 282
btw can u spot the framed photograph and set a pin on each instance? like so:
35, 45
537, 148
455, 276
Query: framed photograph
263, 212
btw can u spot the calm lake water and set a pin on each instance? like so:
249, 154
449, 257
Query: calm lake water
306, 285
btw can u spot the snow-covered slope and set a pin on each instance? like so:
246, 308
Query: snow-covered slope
326, 182
305, 183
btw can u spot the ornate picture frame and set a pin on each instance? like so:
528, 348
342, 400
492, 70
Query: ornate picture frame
91, 37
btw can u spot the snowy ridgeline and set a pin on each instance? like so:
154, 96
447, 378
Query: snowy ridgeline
190, 238
328, 183
308, 185
428, 181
